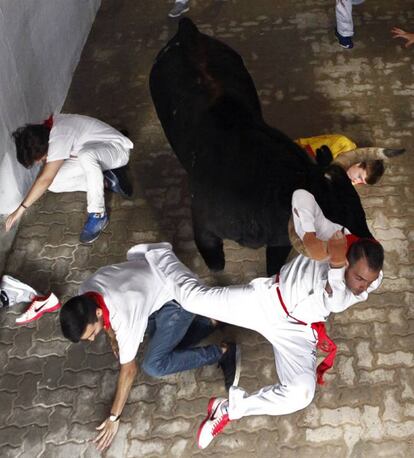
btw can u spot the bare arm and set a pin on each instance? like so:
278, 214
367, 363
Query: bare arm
39, 187
108, 428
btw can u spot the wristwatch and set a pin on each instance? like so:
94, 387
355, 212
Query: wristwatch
113, 417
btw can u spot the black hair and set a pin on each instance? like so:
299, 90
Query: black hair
375, 169
75, 316
32, 142
369, 249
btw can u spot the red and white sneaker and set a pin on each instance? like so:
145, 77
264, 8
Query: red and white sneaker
39, 306
214, 423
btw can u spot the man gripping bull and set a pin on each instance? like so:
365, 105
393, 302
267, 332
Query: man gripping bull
289, 310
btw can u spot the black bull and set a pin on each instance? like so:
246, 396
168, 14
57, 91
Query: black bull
242, 172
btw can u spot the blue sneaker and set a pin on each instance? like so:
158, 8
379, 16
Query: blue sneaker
95, 224
345, 42
116, 180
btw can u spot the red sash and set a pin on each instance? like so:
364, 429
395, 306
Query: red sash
101, 304
324, 344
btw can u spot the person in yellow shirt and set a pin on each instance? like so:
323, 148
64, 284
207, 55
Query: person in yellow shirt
364, 172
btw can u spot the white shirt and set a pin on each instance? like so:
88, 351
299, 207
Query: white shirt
308, 217
132, 292
70, 133
302, 285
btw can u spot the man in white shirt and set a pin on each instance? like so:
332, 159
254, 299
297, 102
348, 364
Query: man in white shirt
77, 153
289, 311
126, 300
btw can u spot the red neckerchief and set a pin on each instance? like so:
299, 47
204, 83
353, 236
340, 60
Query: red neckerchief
324, 343
351, 239
48, 122
99, 300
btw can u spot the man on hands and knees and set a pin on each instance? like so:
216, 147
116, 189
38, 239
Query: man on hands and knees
289, 310
127, 299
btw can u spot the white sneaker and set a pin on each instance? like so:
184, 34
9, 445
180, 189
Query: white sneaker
214, 423
178, 9
39, 306
14, 291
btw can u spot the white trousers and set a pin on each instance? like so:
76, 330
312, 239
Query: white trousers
344, 22
253, 306
84, 172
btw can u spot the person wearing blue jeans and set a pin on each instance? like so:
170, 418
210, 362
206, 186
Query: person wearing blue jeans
127, 300
173, 331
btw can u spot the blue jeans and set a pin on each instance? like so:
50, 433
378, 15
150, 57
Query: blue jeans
172, 332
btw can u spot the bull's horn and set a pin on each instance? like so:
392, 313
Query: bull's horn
389, 152
366, 154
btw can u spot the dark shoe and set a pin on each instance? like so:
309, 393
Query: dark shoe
93, 228
116, 180
230, 365
345, 42
178, 9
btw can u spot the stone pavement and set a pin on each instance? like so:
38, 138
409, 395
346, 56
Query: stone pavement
53, 394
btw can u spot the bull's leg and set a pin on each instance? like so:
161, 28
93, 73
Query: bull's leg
275, 258
211, 248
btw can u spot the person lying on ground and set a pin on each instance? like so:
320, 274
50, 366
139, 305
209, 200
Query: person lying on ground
289, 310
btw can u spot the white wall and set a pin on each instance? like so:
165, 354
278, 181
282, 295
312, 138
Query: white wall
40, 45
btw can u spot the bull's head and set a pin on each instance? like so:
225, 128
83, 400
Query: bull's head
367, 154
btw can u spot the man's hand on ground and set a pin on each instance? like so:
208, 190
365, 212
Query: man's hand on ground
13, 218
108, 430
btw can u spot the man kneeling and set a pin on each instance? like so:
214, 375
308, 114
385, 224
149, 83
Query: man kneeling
125, 300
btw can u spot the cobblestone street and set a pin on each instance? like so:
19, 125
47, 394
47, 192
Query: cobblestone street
53, 394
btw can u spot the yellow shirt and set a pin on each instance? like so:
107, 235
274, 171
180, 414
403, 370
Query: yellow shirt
337, 143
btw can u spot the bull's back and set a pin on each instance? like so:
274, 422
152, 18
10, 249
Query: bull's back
191, 75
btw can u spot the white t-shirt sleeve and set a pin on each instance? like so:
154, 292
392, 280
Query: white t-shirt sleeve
304, 210
60, 146
128, 343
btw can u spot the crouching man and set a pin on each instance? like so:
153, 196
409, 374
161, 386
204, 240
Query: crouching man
289, 310
126, 299
76, 153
